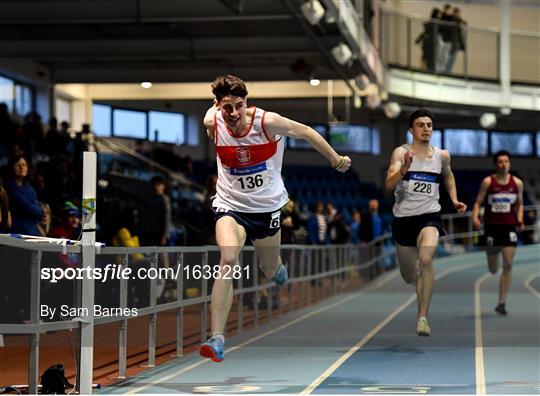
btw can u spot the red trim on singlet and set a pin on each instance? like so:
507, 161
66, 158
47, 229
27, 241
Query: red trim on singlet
215, 129
242, 156
247, 130
263, 127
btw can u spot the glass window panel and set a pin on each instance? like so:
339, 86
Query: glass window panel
7, 92
304, 144
516, 143
101, 120
354, 138
466, 142
129, 123
63, 110
23, 99
167, 127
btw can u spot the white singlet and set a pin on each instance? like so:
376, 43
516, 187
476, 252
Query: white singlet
249, 168
418, 192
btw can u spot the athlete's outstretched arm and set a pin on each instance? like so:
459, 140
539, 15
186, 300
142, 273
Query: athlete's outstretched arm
478, 202
399, 165
278, 125
519, 203
450, 182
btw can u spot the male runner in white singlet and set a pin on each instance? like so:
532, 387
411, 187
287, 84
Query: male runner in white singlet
249, 192
415, 172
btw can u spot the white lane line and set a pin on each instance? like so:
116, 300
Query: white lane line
529, 287
479, 340
319, 380
374, 286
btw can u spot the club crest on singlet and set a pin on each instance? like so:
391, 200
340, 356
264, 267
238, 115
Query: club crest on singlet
243, 155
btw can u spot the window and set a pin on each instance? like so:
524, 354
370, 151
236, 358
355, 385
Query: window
516, 143
304, 144
436, 138
466, 142
129, 123
101, 120
7, 92
63, 110
355, 138
167, 127
23, 99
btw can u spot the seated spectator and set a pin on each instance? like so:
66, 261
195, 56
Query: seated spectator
44, 225
26, 210
5, 213
70, 226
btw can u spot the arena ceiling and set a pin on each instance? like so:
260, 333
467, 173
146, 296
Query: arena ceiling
167, 40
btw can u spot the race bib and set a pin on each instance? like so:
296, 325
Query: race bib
250, 178
501, 207
423, 184
275, 219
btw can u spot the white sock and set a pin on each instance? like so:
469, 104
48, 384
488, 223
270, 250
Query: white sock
219, 336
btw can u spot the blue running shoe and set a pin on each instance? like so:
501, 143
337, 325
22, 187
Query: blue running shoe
281, 277
212, 349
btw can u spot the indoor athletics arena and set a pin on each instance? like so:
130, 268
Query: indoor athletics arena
270, 197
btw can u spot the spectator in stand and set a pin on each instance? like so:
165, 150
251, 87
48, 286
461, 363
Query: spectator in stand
372, 222
7, 129
457, 39
339, 232
5, 213
33, 132
57, 140
317, 226
70, 227
290, 222
355, 227
44, 226
26, 210
158, 222
445, 38
429, 39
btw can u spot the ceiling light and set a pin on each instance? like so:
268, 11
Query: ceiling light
488, 120
314, 82
313, 11
342, 54
146, 84
392, 110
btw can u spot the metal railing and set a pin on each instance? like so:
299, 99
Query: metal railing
481, 56
316, 272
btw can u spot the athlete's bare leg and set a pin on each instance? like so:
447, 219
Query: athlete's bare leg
493, 262
230, 237
427, 245
268, 253
408, 262
508, 253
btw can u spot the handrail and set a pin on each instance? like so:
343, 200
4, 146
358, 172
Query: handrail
417, 17
176, 176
